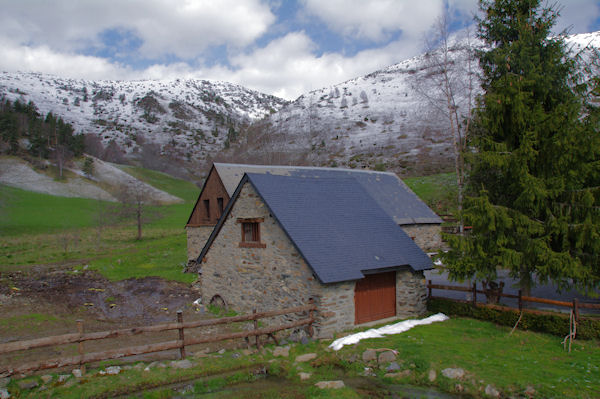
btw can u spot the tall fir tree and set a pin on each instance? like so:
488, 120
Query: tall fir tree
534, 180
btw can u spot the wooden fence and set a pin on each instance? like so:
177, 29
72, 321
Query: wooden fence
575, 305
80, 337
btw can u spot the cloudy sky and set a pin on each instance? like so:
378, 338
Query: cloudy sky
281, 47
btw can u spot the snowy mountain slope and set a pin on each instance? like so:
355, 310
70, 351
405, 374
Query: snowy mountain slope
188, 119
394, 118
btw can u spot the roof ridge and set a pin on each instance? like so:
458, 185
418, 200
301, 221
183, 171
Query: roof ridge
306, 168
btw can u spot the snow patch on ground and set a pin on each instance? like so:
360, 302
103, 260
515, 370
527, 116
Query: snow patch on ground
386, 330
18, 173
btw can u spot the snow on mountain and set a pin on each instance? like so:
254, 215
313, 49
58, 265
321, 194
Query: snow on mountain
394, 118
188, 119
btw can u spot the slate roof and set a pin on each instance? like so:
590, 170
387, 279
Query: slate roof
387, 189
337, 227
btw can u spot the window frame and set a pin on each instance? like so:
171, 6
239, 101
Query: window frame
255, 233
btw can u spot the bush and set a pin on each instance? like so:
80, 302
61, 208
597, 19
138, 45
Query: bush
555, 324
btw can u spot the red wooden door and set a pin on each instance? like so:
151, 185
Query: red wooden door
375, 297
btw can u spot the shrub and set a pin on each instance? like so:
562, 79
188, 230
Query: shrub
555, 324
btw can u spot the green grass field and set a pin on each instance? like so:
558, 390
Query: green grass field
44, 229
486, 352
438, 191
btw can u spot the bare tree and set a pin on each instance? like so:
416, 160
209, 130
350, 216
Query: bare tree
135, 203
61, 156
448, 88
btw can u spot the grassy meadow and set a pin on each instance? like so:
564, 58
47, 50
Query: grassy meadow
39, 229
489, 355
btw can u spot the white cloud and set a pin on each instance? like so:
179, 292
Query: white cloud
578, 16
44, 59
183, 28
377, 19
288, 67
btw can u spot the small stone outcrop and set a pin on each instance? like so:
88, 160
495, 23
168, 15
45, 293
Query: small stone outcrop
330, 384
306, 357
453, 373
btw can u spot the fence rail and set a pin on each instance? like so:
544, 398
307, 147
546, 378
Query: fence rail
82, 358
575, 305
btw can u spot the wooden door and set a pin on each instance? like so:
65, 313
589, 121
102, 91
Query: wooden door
375, 297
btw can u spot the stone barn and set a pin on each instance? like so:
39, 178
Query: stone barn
285, 239
389, 191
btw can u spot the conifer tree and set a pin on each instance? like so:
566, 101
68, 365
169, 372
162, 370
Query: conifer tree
534, 182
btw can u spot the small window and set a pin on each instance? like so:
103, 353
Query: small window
251, 233
207, 208
220, 205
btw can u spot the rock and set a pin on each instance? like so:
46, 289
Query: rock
529, 391
306, 357
46, 378
4, 394
369, 355
459, 388
453, 373
113, 370
401, 374
63, 377
235, 355
182, 364
127, 367
393, 367
368, 372
248, 352
491, 391
283, 351
432, 375
386, 357
27, 384
304, 376
330, 384
4, 382
139, 366
221, 351
77, 373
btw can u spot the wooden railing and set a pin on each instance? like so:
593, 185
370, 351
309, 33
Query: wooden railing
80, 337
575, 305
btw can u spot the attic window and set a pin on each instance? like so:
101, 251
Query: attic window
207, 208
251, 233
220, 205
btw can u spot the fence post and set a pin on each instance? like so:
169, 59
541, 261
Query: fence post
576, 308
429, 290
520, 301
181, 336
311, 314
80, 346
256, 328
475, 294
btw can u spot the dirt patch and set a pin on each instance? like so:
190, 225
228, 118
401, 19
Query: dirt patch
49, 302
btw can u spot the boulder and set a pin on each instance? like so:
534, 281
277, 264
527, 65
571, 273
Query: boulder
491, 391
27, 384
4, 393
453, 374
282, 351
393, 367
432, 375
304, 376
330, 384
369, 355
77, 373
182, 364
306, 357
113, 370
386, 357
46, 378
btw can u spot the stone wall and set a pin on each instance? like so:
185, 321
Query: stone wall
411, 293
277, 276
427, 236
196, 238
